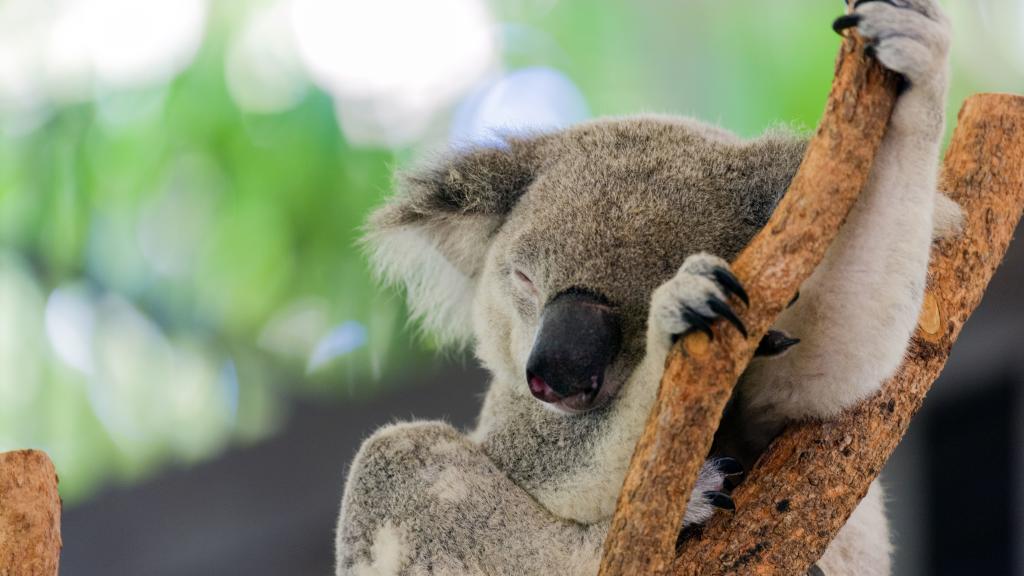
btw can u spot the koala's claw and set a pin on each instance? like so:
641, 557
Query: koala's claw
845, 21
697, 321
720, 500
730, 284
775, 342
731, 470
725, 311
729, 466
694, 298
701, 322
793, 301
711, 492
909, 37
889, 2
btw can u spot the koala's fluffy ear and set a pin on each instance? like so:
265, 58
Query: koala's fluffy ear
433, 235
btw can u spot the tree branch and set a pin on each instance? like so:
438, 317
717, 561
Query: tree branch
29, 515
807, 484
699, 377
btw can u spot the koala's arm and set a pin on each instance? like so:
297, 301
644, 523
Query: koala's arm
857, 311
422, 499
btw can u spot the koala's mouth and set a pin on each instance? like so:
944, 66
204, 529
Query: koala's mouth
595, 396
578, 339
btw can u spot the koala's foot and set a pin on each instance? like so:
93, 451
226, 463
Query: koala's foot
696, 296
910, 37
709, 493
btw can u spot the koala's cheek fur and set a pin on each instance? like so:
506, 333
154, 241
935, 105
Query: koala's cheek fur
503, 339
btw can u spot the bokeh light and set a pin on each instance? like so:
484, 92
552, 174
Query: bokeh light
65, 51
392, 64
71, 324
263, 70
532, 99
22, 353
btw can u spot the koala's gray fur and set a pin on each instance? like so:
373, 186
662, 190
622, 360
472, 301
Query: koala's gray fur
639, 211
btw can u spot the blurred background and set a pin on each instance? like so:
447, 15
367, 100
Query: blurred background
188, 327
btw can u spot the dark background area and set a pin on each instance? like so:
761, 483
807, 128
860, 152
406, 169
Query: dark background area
268, 509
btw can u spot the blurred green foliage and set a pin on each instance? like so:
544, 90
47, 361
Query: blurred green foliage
168, 261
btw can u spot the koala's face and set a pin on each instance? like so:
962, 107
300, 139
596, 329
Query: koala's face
551, 248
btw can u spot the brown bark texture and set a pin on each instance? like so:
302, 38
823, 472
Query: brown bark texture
29, 515
700, 374
802, 491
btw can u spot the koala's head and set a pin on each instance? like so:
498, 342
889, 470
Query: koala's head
545, 251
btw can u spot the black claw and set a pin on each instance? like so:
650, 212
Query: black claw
730, 284
775, 342
729, 466
858, 3
793, 301
845, 21
697, 322
815, 571
720, 500
723, 310
903, 85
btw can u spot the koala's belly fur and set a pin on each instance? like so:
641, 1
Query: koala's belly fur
629, 224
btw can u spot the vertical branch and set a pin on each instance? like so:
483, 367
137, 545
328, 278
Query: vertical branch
29, 515
699, 376
807, 484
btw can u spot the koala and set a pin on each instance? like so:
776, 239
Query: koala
570, 261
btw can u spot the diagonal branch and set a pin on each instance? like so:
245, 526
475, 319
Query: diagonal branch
805, 487
699, 377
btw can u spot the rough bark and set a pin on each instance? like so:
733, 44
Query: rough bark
700, 375
29, 515
807, 484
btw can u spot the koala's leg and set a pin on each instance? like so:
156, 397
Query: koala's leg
862, 547
422, 499
857, 311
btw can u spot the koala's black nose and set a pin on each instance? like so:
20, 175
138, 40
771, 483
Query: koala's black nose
579, 336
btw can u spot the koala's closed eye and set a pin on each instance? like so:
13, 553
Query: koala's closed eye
524, 292
524, 280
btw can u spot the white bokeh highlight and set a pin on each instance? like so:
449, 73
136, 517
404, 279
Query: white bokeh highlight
392, 64
70, 325
536, 99
61, 51
262, 67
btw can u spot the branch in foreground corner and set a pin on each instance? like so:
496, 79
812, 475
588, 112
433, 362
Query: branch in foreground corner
29, 515
809, 481
699, 376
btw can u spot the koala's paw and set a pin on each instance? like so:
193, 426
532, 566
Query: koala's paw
695, 297
709, 493
910, 37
